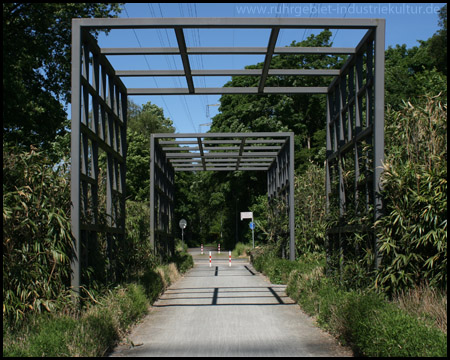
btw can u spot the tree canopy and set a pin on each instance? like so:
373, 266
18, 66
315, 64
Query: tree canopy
142, 122
36, 67
303, 114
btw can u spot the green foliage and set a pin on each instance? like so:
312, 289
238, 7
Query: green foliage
437, 44
36, 233
90, 334
310, 208
96, 329
138, 166
366, 321
141, 124
408, 70
149, 120
183, 261
212, 202
278, 270
310, 222
303, 114
381, 329
136, 253
413, 233
36, 67
241, 249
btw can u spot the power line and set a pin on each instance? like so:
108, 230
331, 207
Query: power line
304, 33
346, 11
185, 106
148, 65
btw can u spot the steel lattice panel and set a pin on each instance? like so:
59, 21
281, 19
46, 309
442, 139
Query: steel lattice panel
99, 102
270, 152
355, 119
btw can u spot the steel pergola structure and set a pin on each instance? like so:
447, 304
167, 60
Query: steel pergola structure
272, 152
355, 124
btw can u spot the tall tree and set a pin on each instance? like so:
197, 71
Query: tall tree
36, 67
215, 200
302, 114
438, 43
407, 70
141, 124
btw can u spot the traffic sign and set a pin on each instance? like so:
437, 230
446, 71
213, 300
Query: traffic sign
252, 225
246, 215
183, 224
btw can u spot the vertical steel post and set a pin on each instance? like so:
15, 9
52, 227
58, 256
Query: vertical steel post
329, 151
75, 156
291, 199
378, 127
152, 192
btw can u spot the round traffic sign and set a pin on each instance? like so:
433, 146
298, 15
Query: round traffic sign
252, 225
183, 224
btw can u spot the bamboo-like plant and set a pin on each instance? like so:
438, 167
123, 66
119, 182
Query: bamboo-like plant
36, 233
413, 234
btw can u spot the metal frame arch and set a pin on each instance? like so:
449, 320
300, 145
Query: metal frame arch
355, 115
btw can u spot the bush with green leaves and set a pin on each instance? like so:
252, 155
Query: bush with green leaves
413, 232
378, 328
310, 210
278, 270
99, 325
37, 240
241, 249
364, 320
135, 255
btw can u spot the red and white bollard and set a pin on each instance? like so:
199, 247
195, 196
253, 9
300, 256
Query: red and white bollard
229, 255
218, 250
201, 250
210, 259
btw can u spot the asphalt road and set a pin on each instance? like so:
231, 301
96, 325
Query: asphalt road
227, 311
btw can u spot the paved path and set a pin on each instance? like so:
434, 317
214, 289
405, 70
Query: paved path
227, 311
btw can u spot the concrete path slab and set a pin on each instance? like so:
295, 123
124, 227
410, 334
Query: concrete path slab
227, 311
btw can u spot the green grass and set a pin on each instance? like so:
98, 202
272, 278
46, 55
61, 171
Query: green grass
241, 250
364, 320
98, 327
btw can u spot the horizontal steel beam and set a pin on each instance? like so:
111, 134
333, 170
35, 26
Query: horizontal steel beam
221, 155
189, 161
224, 23
184, 148
223, 136
222, 142
229, 90
246, 72
222, 169
296, 50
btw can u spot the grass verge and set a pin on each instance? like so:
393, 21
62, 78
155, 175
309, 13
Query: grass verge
366, 321
241, 249
98, 327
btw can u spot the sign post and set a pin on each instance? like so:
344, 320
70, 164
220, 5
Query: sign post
183, 224
249, 215
252, 226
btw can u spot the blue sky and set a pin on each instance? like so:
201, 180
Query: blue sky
405, 24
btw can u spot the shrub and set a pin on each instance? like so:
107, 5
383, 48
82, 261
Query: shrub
183, 261
279, 270
426, 303
365, 320
136, 255
36, 233
241, 249
413, 233
378, 328
98, 327
310, 205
